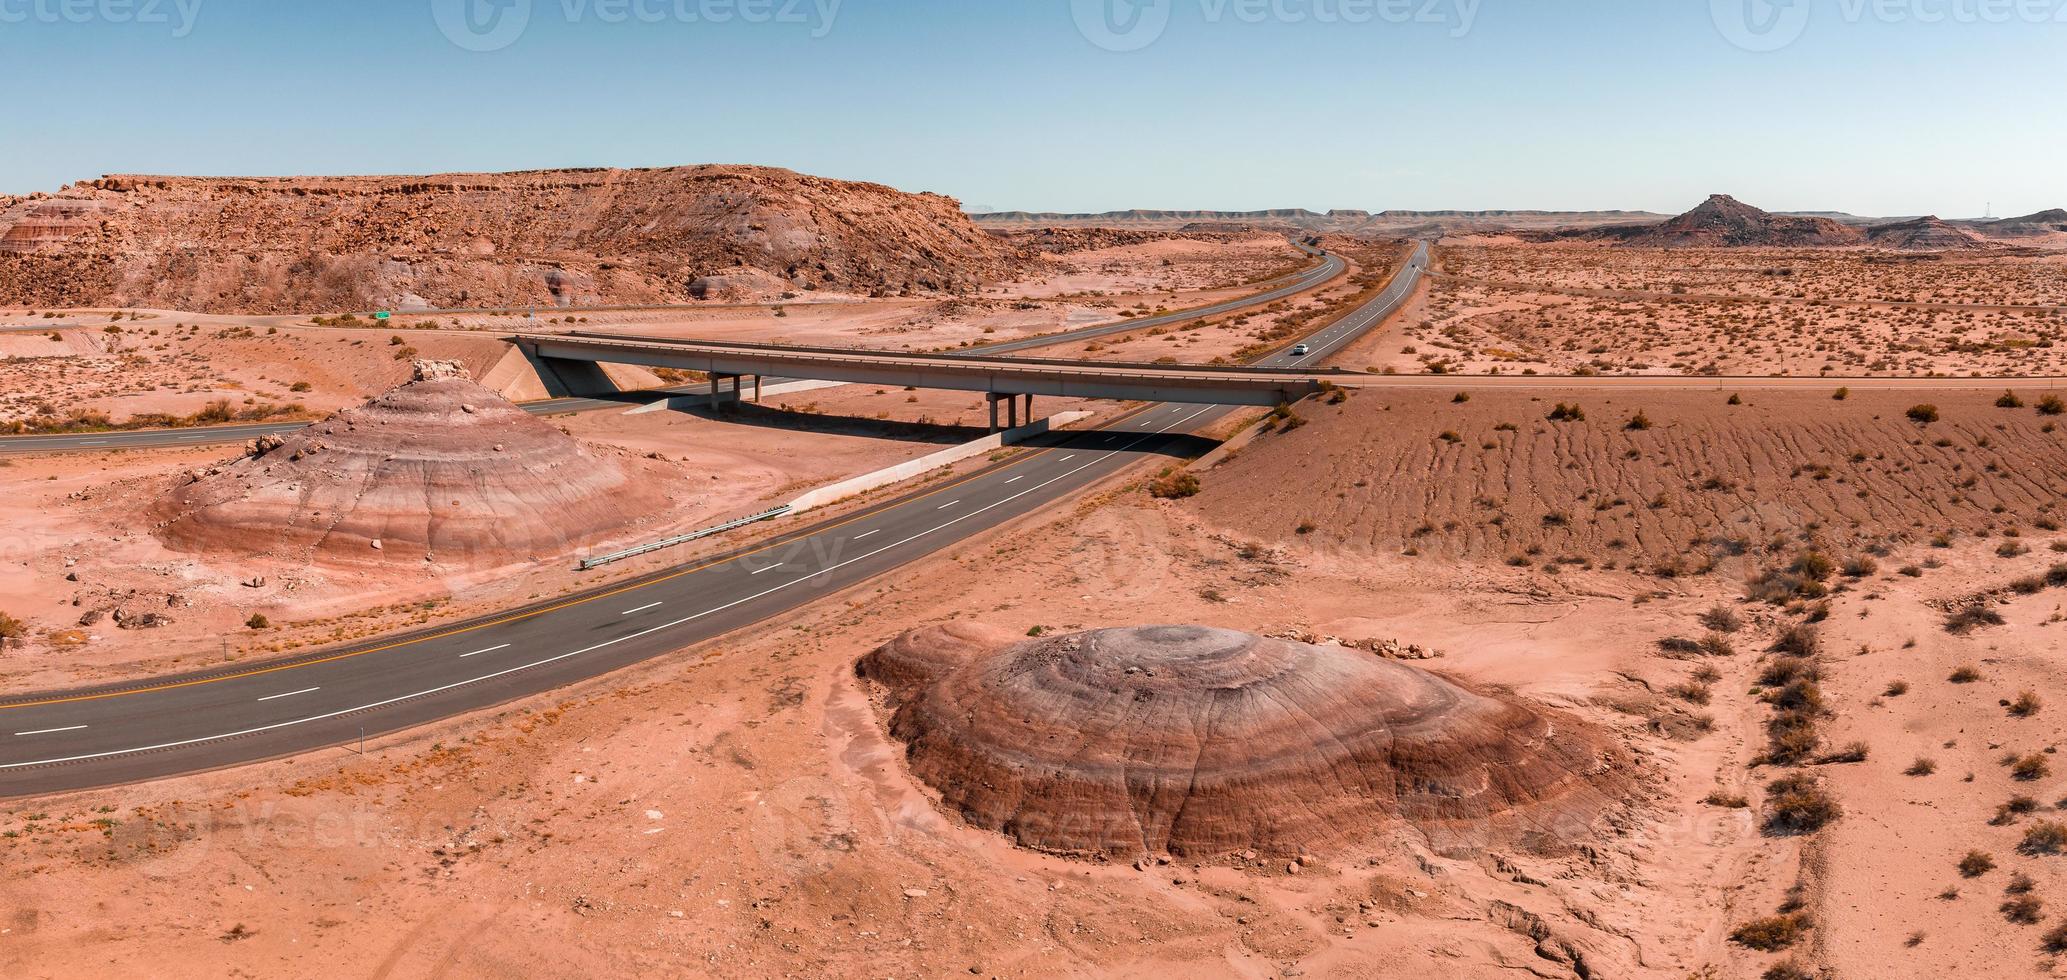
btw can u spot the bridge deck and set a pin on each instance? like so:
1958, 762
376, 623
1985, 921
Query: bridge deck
958, 372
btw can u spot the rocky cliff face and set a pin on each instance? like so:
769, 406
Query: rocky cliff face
294, 244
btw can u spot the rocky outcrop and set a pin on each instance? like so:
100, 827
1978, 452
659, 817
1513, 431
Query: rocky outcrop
1927, 234
544, 238
438, 470
1201, 742
1725, 222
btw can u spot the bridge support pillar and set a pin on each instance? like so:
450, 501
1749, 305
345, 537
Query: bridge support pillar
993, 398
720, 397
757, 389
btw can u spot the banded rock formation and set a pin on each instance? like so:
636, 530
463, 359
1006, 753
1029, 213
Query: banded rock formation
1200, 742
439, 469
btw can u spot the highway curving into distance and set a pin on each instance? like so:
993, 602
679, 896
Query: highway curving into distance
91, 737
1312, 277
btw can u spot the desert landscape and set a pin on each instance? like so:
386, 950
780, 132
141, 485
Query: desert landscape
1061, 490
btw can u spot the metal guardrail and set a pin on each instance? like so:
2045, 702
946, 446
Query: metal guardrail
590, 564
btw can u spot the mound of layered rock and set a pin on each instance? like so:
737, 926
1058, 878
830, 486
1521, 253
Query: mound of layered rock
1200, 742
439, 469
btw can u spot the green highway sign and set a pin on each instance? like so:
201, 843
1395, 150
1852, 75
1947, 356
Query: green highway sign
382, 315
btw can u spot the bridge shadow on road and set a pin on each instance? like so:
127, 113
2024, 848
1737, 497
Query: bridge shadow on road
1174, 445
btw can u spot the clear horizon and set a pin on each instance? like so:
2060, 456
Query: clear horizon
1883, 108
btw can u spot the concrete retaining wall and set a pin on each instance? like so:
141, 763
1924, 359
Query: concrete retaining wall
919, 467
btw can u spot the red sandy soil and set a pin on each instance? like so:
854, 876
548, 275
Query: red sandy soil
1559, 310
738, 808
1705, 482
481, 240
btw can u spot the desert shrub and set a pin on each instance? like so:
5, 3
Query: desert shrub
1306, 527
1723, 619
2055, 940
1860, 567
1690, 692
2057, 576
1976, 864
1798, 804
1964, 674
1800, 695
2009, 399
258, 621
1896, 689
1923, 414
1174, 486
1461, 398
1567, 413
1772, 933
1798, 641
1791, 738
1785, 670
2031, 768
2026, 704
1840, 394
1638, 422
1851, 754
301, 386
1718, 645
2051, 405
2044, 837
1727, 801
12, 628
1967, 619
2023, 910
1787, 970
1921, 767
1813, 565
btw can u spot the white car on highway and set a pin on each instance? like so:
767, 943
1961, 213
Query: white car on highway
1301, 351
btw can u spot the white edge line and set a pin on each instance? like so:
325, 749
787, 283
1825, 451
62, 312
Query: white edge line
277, 726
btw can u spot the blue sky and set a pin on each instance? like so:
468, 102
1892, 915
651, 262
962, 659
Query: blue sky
1007, 104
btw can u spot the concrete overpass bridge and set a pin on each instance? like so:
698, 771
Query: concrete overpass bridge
1005, 380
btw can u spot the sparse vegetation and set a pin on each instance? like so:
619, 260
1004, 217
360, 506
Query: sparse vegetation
1174, 485
1772, 933
1798, 804
1967, 619
258, 621
1923, 414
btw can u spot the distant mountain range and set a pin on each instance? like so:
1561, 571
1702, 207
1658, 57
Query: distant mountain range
1720, 222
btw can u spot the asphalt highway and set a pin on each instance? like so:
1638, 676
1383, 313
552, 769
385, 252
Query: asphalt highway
70, 740
1328, 268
